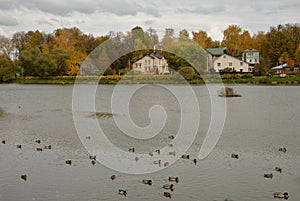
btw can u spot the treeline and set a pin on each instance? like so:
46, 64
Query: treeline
36, 53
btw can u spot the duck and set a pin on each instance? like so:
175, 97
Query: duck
93, 162
166, 164
47, 147
131, 149
39, 149
157, 151
278, 169
150, 154
172, 153
122, 192
195, 161
168, 186
92, 157
282, 149
171, 137
186, 156
88, 137
24, 177
113, 177
280, 195
3, 142
167, 195
19, 146
38, 141
170, 145
268, 175
69, 162
147, 181
174, 179
236, 156
157, 162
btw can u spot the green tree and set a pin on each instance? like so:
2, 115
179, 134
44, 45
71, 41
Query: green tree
187, 72
6, 68
60, 57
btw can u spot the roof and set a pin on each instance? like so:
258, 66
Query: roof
250, 50
280, 67
152, 55
216, 51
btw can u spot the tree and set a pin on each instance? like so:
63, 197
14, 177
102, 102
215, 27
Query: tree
6, 45
19, 40
231, 40
283, 58
37, 63
183, 34
60, 57
203, 39
6, 68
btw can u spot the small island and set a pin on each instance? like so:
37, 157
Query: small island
228, 92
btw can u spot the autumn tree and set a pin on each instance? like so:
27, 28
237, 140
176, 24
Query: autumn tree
231, 40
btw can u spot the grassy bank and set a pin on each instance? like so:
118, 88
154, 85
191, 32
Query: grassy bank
159, 79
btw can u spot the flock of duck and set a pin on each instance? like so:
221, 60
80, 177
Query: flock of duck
170, 185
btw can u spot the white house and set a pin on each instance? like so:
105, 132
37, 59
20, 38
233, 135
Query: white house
152, 63
226, 61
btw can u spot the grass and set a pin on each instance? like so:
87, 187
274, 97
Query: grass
156, 79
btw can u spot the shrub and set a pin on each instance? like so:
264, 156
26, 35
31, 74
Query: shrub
187, 72
226, 76
247, 76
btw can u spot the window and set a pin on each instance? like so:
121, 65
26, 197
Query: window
149, 62
219, 64
241, 63
250, 60
230, 64
241, 70
224, 56
145, 62
255, 60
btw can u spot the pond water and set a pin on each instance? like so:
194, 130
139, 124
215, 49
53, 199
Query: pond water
257, 124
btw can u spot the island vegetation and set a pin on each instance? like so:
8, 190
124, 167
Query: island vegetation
38, 57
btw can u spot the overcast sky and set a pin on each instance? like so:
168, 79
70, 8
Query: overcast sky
98, 17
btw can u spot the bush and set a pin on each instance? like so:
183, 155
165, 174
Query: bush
187, 72
247, 76
226, 76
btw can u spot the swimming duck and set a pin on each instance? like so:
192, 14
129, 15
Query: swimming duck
236, 156
147, 181
157, 151
195, 161
278, 169
174, 179
47, 147
113, 177
282, 149
19, 146
172, 153
168, 187
131, 149
167, 195
280, 195
166, 164
24, 177
39, 149
171, 137
69, 162
93, 162
92, 157
157, 162
122, 192
268, 175
88, 137
150, 154
170, 145
3, 142
38, 141
185, 156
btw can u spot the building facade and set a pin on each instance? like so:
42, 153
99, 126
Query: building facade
251, 56
225, 61
152, 63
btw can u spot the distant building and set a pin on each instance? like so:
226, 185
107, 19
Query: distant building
226, 61
251, 56
213, 54
152, 63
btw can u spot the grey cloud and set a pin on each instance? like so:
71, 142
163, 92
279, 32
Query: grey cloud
6, 20
202, 10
